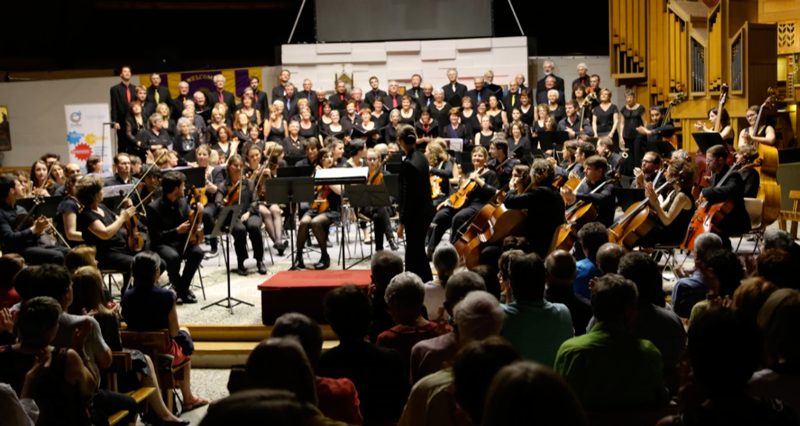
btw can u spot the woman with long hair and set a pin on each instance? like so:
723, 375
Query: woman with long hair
498, 116
41, 185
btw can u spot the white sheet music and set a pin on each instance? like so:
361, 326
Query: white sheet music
342, 173
455, 144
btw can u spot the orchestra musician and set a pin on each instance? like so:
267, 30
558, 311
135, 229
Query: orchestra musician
235, 189
150, 184
416, 209
204, 153
498, 150
16, 235
122, 176
271, 214
456, 175
66, 219
647, 173
605, 148
452, 218
518, 140
441, 171
311, 147
571, 123
751, 136
320, 215
752, 180
726, 131
378, 215
595, 168
169, 228
41, 183
677, 208
654, 132
738, 220
568, 160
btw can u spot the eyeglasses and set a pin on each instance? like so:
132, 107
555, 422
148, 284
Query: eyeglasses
648, 161
710, 159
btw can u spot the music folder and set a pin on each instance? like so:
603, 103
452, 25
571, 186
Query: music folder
548, 139
707, 140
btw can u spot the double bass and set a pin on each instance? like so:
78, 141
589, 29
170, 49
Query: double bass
703, 174
769, 191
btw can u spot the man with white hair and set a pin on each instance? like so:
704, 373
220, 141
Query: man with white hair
426, 98
355, 95
583, 77
496, 90
393, 99
550, 83
201, 107
157, 93
511, 100
480, 93
279, 91
179, 102
690, 290
548, 68
521, 82
454, 91
223, 96
478, 317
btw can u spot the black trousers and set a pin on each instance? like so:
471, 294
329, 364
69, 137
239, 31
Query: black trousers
380, 220
106, 403
240, 231
450, 218
173, 255
416, 259
40, 255
209, 213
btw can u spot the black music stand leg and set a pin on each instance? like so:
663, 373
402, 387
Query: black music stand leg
343, 246
291, 236
227, 302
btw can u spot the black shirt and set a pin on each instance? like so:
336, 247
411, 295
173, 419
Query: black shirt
118, 242
67, 205
603, 200
10, 238
164, 218
545, 209
293, 147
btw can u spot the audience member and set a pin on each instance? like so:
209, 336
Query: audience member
777, 266
722, 274
591, 237
491, 278
405, 295
10, 265
431, 355
503, 264
527, 390
608, 367
778, 238
384, 265
431, 401
534, 325
751, 295
258, 406
445, 260
377, 372
608, 257
690, 290
560, 268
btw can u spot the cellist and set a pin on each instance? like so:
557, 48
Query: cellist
169, 228
737, 221
765, 134
448, 216
603, 201
676, 210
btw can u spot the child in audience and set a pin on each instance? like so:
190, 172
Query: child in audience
10, 265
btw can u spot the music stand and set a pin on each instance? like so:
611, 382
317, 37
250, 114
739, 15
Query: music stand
707, 140
48, 206
665, 149
295, 172
367, 196
554, 140
392, 183
195, 176
224, 227
290, 192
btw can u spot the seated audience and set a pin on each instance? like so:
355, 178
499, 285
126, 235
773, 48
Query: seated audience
778, 238
778, 267
431, 355
609, 368
431, 401
80, 256
591, 237
608, 257
722, 274
526, 390
336, 398
534, 325
560, 268
384, 265
445, 261
148, 307
10, 265
255, 406
690, 290
490, 275
377, 372
404, 296
750, 297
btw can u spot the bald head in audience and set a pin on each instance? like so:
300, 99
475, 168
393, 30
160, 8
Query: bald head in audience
560, 266
608, 257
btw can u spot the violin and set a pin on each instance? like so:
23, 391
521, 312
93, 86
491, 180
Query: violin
458, 199
196, 234
233, 194
321, 192
436, 186
376, 177
135, 239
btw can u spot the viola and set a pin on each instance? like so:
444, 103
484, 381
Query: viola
458, 199
321, 203
135, 240
196, 234
436, 186
637, 221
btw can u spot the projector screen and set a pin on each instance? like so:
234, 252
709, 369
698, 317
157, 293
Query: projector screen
381, 20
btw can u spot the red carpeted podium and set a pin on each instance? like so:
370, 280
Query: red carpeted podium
304, 292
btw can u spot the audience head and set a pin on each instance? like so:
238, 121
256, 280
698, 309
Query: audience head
491, 278
87, 291
751, 296
560, 268
722, 271
614, 300
10, 265
255, 406
459, 286
78, 256
643, 271
528, 276
385, 265
349, 312
705, 244
528, 390
777, 266
592, 236
725, 350
145, 269
776, 238
46, 280
406, 135
608, 257
305, 330
281, 364
780, 320
516, 243
405, 296
445, 260
474, 368
37, 321
477, 317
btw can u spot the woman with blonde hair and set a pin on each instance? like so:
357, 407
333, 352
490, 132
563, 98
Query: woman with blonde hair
275, 128
80, 256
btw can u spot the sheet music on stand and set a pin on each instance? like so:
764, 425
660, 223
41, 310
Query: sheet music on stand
454, 144
341, 175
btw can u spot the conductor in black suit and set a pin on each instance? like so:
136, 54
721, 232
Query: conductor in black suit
223, 96
548, 67
121, 96
338, 100
279, 91
454, 91
374, 92
416, 209
158, 94
260, 98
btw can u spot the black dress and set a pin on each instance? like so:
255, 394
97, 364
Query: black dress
632, 118
605, 119
675, 232
390, 134
559, 113
308, 133
462, 132
471, 122
441, 115
409, 120
429, 130
497, 121
338, 134
276, 134
527, 117
486, 140
382, 120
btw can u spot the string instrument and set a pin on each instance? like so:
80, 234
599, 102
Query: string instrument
679, 97
458, 199
233, 195
196, 234
576, 216
135, 240
25, 220
708, 216
321, 193
769, 191
376, 177
703, 174
436, 186
637, 221
48, 182
560, 181
587, 103
261, 174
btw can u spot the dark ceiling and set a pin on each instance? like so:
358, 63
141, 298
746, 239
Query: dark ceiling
168, 35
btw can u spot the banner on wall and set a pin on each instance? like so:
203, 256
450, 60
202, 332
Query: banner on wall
86, 135
236, 80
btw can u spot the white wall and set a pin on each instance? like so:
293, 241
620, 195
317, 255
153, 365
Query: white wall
36, 114
506, 57
567, 68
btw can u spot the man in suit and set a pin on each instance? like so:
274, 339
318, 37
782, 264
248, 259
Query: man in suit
583, 78
355, 96
279, 91
223, 96
511, 100
488, 79
521, 82
738, 220
178, 104
416, 87
322, 98
480, 93
158, 94
548, 67
289, 102
121, 96
426, 99
338, 100
375, 93
393, 99
260, 98
309, 95
454, 91
550, 84
416, 209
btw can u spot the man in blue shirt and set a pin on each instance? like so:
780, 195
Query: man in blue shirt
591, 237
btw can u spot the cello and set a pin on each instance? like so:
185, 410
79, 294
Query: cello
769, 191
637, 221
703, 174
576, 216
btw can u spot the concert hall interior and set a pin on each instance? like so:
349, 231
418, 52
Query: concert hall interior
400, 213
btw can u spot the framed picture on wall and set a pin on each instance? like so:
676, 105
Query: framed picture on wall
5, 131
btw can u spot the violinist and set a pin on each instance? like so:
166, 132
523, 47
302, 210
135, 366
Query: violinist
732, 189
441, 169
605, 149
66, 219
204, 153
764, 134
357, 152
595, 168
254, 160
569, 160
170, 229
16, 235
237, 190
150, 184
320, 215
378, 215
101, 227
518, 139
41, 183
311, 147
448, 217
455, 177
651, 164
498, 150
122, 163
58, 176
271, 214
676, 210
746, 154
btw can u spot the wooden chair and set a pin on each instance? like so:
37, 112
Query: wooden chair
152, 343
792, 216
121, 363
755, 209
